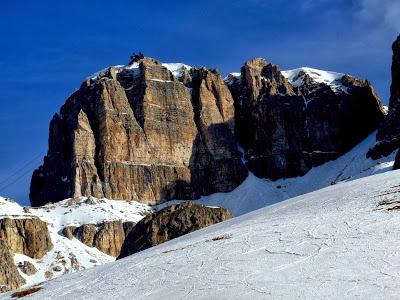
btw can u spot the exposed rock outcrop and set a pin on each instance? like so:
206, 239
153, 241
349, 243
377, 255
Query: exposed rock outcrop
169, 223
108, 237
388, 136
27, 236
288, 125
144, 133
28, 268
10, 279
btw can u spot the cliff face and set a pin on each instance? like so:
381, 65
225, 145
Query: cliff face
143, 133
388, 136
151, 132
27, 236
9, 277
290, 121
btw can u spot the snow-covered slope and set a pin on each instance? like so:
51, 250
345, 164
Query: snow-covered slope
71, 255
252, 194
255, 193
339, 242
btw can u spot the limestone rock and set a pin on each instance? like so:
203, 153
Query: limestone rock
86, 233
139, 133
28, 268
28, 236
388, 136
9, 277
169, 223
68, 232
107, 236
287, 129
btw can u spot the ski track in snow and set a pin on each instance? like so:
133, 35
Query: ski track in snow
332, 243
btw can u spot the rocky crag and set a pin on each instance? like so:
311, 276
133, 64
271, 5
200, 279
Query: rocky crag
108, 236
169, 223
146, 132
388, 136
150, 132
288, 122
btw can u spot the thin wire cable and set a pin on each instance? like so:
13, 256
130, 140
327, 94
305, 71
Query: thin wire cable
34, 160
18, 178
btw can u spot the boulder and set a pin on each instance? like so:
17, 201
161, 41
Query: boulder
169, 223
28, 268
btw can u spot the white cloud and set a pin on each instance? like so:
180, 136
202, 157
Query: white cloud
382, 13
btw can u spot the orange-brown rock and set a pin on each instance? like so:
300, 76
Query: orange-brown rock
107, 236
139, 133
10, 279
27, 236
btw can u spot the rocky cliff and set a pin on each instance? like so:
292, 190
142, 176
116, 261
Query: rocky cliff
169, 223
150, 132
388, 136
289, 122
147, 132
107, 236
9, 277
28, 236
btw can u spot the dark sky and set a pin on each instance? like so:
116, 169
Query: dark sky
49, 47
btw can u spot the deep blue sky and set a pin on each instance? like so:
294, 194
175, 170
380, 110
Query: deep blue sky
48, 49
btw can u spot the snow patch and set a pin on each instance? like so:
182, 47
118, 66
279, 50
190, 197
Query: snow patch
332, 79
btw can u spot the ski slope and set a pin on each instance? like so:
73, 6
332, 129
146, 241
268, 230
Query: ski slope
339, 242
71, 255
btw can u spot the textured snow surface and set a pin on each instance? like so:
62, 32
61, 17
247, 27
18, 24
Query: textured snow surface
332, 79
73, 212
254, 193
338, 242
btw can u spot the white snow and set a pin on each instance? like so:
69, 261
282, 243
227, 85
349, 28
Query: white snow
336, 243
255, 193
332, 79
232, 77
176, 69
74, 212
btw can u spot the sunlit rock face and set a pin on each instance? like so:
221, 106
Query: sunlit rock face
146, 131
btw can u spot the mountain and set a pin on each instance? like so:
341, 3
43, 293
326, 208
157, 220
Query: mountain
290, 121
135, 140
151, 132
338, 242
146, 131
